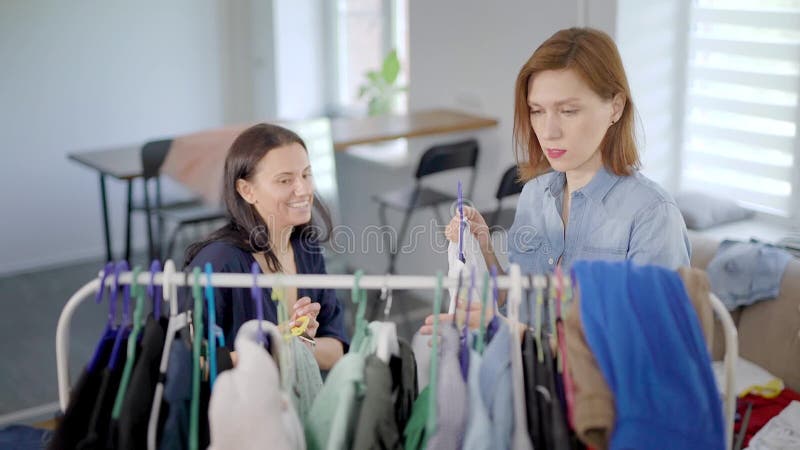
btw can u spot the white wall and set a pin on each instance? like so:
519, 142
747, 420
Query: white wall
299, 69
86, 75
466, 54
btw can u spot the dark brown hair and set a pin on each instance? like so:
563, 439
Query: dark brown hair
593, 55
246, 228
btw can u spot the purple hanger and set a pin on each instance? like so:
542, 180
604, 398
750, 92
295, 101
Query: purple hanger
461, 225
258, 297
463, 354
108, 332
124, 328
154, 291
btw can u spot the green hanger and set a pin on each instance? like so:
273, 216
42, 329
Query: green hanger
359, 297
437, 308
480, 344
138, 292
194, 418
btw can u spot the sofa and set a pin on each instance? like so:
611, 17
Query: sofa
769, 330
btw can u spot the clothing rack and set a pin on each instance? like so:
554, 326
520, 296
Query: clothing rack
170, 280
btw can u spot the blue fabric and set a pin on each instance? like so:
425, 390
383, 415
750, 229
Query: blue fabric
611, 218
178, 394
642, 328
235, 306
451, 396
495, 385
21, 437
479, 430
742, 273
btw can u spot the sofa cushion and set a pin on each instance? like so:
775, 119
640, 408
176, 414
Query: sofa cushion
701, 211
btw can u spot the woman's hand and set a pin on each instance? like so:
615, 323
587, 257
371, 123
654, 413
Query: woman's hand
305, 307
477, 225
460, 315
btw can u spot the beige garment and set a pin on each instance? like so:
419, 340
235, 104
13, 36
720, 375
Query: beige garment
593, 408
197, 160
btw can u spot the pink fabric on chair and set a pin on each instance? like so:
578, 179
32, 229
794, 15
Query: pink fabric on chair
197, 160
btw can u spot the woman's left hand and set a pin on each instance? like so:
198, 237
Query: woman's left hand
305, 307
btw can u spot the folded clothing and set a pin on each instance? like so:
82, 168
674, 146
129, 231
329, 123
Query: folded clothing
742, 273
782, 432
764, 409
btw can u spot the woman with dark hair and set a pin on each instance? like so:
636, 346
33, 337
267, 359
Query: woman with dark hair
268, 191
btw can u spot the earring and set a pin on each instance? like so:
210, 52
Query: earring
613, 121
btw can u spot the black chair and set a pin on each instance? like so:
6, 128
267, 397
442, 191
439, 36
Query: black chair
182, 212
509, 185
437, 159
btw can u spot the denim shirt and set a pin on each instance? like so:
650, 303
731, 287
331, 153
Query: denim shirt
611, 218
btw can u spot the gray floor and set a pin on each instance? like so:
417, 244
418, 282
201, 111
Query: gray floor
30, 306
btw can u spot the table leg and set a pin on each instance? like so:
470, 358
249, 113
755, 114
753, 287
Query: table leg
128, 223
104, 206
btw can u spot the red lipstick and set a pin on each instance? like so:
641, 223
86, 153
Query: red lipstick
555, 153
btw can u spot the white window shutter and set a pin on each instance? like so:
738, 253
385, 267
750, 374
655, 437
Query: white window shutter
741, 122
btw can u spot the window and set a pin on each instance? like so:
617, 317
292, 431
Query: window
363, 32
741, 123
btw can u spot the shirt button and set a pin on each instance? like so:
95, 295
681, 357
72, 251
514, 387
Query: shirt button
550, 261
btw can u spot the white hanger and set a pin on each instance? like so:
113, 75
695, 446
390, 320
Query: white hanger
385, 340
176, 323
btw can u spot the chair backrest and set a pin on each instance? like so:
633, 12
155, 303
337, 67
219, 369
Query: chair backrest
509, 184
444, 157
153, 155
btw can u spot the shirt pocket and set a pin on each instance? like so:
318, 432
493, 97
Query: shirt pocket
608, 241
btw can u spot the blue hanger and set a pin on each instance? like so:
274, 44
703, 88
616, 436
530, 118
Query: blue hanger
154, 291
258, 298
108, 333
461, 225
124, 329
212, 325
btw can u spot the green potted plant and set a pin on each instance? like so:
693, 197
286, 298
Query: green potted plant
380, 87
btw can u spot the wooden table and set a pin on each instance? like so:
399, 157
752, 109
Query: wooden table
124, 163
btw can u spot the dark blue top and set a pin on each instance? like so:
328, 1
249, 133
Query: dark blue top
235, 306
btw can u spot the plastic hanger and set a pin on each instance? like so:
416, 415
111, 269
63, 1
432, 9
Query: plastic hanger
386, 335
461, 225
495, 290
538, 320
258, 299
359, 298
529, 301
138, 312
154, 291
386, 297
463, 354
480, 344
212, 328
124, 327
177, 321
430, 427
194, 417
108, 332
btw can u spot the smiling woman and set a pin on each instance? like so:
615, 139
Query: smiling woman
268, 191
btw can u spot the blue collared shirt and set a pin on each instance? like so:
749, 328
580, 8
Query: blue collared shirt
611, 218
